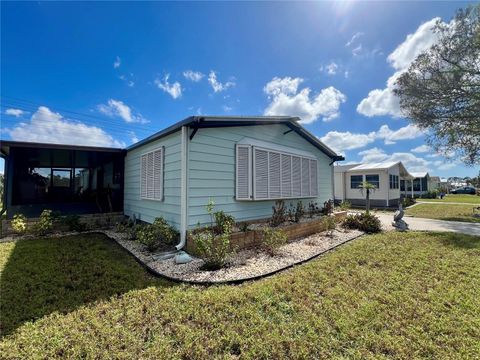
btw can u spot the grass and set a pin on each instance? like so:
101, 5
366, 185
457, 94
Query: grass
451, 212
461, 198
392, 295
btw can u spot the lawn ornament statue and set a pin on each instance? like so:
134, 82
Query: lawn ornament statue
398, 222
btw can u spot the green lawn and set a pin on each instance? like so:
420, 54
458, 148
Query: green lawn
409, 295
452, 212
461, 198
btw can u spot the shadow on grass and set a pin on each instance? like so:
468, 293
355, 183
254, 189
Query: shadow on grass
47, 275
460, 240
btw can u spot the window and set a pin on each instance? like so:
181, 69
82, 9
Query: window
356, 181
61, 178
394, 182
402, 185
151, 175
265, 174
416, 184
373, 179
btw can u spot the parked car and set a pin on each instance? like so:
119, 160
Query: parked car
464, 190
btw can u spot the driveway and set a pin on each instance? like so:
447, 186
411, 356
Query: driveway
422, 224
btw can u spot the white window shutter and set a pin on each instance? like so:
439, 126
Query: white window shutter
305, 177
313, 178
286, 175
274, 175
261, 173
158, 174
243, 176
150, 177
143, 176
296, 176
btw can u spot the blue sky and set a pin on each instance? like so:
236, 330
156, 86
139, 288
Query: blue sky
110, 73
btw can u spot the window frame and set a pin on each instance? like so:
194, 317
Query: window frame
359, 183
394, 181
162, 172
312, 189
377, 175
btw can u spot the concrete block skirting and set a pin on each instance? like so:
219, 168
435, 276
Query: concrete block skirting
92, 221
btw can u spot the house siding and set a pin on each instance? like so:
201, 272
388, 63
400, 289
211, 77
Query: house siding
211, 171
169, 207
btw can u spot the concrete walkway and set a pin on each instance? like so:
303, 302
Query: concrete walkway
445, 203
422, 224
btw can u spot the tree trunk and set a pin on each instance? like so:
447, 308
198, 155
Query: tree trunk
368, 201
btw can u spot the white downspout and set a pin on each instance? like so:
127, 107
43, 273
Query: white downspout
183, 188
388, 187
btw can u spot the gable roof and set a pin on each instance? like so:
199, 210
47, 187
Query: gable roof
198, 122
375, 166
420, 174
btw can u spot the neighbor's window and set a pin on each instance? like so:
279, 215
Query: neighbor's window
373, 179
356, 181
394, 183
151, 175
416, 184
265, 174
402, 185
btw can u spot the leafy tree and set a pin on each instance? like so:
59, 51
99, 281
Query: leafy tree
440, 92
367, 188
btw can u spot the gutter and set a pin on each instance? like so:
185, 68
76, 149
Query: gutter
183, 189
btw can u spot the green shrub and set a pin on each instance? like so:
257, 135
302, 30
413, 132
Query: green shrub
299, 212
19, 224
223, 221
365, 222
432, 194
147, 235
313, 209
345, 205
327, 207
214, 248
407, 201
129, 228
73, 223
154, 235
244, 226
328, 224
279, 215
272, 240
44, 224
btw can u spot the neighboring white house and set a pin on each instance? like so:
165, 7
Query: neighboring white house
385, 176
421, 183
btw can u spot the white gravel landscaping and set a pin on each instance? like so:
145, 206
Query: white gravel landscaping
245, 264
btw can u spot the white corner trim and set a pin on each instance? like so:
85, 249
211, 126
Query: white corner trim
183, 188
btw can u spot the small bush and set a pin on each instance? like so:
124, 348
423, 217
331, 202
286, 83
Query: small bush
299, 212
432, 194
312, 209
407, 201
345, 205
327, 207
44, 224
365, 222
73, 223
329, 224
19, 224
279, 213
215, 250
223, 221
244, 226
154, 235
272, 240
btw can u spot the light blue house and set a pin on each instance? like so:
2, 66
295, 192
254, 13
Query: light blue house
243, 163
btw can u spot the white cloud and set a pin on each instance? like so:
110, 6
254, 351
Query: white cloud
46, 126
227, 108
287, 100
421, 149
330, 69
117, 63
411, 162
355, 37
441, 165
342, 141
381, 102
357, 50
175, 89
194, 76
133, 137
216, 85
15, 112
405, 133
118, 108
